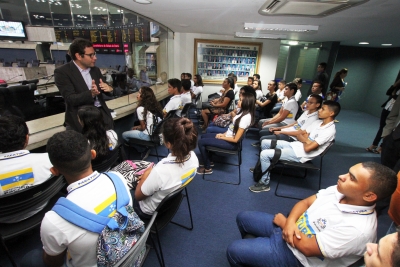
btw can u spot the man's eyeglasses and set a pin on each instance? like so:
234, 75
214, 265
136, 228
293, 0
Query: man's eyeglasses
92, 55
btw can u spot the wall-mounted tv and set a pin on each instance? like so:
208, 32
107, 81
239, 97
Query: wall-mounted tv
12, 30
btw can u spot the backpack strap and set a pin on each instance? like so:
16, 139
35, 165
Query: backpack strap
90, 221
274, 160
80, 217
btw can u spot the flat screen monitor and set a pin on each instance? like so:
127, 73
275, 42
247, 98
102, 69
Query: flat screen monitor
12, 30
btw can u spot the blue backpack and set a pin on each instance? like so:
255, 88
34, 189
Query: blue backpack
117, 235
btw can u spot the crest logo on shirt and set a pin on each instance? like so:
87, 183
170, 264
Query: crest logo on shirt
321, 223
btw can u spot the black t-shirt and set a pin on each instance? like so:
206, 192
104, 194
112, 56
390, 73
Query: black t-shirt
267, 109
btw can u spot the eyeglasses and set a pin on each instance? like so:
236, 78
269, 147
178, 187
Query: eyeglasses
92, 55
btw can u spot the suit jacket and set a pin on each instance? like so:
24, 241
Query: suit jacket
392, 119
75, 92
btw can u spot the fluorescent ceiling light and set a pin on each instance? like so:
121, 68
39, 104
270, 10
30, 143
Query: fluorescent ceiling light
145, 2
293, 42
386, 44
363, 43
280, 27
260, 35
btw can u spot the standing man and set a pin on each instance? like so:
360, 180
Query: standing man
322, 76
81, 83
390, 156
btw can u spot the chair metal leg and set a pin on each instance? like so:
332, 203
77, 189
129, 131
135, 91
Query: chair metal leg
223, 182
160, 248
277, 186
3, 243
190, 214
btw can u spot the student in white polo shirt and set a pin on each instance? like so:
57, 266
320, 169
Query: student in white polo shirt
286, 114
175, 103
289, 132
186, 97
310, 143
316, 89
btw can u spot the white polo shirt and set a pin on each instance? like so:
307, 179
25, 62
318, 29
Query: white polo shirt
243, 124
175, 103
320, 134
94, 193
292, 106
186, 97
341, 230
167, 176
303, 122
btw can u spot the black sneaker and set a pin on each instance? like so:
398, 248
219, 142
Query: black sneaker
256, 144
259, 187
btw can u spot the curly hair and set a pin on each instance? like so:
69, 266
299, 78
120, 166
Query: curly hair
149, 102
182, 135
69, 152
13, 132
94, 129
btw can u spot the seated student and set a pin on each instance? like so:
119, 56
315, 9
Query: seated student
316, 89
289, 132
186, 97
384, 254
310, 144
330, 228
250, 81
258, 89
19, 169
232, 136
64, 242
280, 92
256, 77
198, 86
285, 115
188, 76
172, 172
175, 103
299, 83
147, 107
94, 129
212, 128
236, 87
266, 103
219, 105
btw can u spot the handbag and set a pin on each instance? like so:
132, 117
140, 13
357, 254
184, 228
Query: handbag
132, 170
223, 121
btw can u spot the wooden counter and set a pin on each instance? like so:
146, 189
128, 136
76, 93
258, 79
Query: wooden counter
42, 129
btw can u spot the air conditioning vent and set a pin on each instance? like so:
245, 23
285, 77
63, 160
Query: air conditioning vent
313, 8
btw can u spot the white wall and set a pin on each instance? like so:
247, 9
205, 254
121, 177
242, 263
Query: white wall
183, 58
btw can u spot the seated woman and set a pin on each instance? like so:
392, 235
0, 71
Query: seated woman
148, 109
94, 129
267, 103
219, 105
172, 172
232, 136
213, 128
258, 89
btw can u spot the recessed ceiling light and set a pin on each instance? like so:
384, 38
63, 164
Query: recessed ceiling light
293, 42
363, 43
145, 2
260, 35
386, 44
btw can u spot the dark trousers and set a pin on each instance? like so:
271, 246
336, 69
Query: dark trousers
382, 124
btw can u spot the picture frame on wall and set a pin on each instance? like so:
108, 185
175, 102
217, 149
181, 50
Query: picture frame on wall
215, 59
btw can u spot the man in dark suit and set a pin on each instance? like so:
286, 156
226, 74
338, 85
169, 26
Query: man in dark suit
322, 76
81, 83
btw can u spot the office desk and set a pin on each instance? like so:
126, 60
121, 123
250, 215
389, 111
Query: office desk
42, 129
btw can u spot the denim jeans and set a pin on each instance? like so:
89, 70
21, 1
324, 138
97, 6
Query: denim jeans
33, 258
136, 134
212, 128
265, 130
287, 153
209, 139
267, 249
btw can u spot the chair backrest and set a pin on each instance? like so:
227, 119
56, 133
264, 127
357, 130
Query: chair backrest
115, 155
35, 63
185, 110
50, 61
22, 64
170, 114
327, 148
60, 62
7, 64
19, 60
25, 200
137, 253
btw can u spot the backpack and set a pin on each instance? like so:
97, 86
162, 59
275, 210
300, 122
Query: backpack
257, 172
117, 235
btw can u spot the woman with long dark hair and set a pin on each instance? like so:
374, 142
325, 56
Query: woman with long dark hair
232, 136
94, 128
172, 172
148, 109
198, 85
337, 85
219, 105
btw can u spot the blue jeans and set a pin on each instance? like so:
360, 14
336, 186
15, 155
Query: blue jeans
212, 128
136, 134
287, 153
209, 139
33, 258
267, 249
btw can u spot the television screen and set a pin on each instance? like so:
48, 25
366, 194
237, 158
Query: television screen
12, 30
